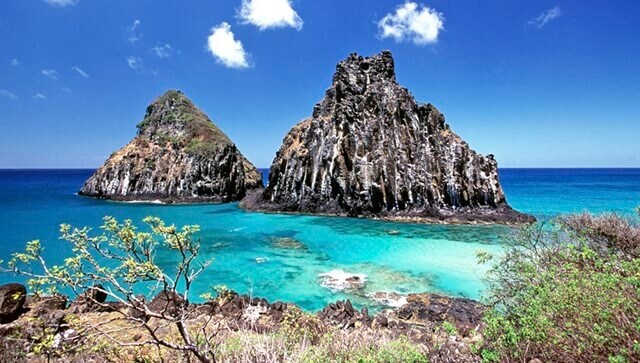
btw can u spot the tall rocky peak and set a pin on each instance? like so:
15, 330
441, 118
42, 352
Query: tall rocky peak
369, 149
178, 155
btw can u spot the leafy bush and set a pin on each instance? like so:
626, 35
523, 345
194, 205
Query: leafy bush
568, 291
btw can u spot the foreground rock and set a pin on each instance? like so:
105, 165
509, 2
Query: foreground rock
370, 149
179, 155
48, 322
464, 314
12, 298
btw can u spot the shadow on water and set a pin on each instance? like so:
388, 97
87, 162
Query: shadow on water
483, 234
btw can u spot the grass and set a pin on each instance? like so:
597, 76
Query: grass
300, 338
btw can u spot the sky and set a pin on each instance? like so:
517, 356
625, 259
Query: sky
536, 83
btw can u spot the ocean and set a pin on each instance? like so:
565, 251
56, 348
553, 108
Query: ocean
247, 247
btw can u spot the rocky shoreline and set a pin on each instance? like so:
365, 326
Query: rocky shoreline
421, 318
504, 215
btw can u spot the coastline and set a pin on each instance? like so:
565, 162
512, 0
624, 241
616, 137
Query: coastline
504, 215
441, 326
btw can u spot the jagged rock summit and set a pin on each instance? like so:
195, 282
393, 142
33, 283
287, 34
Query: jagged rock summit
178, 155
370, 149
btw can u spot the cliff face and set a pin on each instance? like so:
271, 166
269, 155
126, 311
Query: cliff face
370, 149
178, 155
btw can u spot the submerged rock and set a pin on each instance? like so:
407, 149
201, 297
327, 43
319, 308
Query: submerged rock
178, 155
339, 280
288, 243
370, 149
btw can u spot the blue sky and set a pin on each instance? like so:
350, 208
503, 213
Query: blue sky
537, 83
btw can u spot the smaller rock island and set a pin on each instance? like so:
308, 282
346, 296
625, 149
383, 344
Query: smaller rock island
179, 155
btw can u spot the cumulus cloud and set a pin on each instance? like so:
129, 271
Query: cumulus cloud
80, 72
412, 22
225, 48
269, 14
15, 62
163, 51
61, 3
545, 17
39, 96
133, 35
8, 94
51, 73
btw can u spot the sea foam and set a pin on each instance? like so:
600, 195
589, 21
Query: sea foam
339, 280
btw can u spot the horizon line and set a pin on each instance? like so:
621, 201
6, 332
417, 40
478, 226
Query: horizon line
263, 168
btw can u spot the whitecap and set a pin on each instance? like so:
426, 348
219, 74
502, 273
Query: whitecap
155, 201
339, 280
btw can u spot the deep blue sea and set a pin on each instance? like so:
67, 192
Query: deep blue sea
245, 245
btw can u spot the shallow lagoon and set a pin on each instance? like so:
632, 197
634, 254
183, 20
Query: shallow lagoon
282, 256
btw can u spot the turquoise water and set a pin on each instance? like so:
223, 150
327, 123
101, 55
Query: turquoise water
248, 258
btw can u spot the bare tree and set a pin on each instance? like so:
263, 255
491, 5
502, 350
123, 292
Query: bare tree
119, 263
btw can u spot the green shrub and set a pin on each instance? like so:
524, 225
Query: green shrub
569, 291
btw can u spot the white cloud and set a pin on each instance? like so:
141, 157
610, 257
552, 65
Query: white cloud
7, 94
269, 14
80, 71
225, 48
545, 17
135, 63
65, 90
412, 22
15, 62
39, 96
51, 73
163, 51
61, 3
132, 34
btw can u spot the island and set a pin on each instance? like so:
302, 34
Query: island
369, 149
179, 155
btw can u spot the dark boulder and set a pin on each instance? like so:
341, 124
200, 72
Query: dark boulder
167, 303
12, 298
344, 315
91, 300
464, 314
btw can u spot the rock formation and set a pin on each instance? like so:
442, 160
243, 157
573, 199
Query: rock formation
370, 149
12, 298
178, 155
